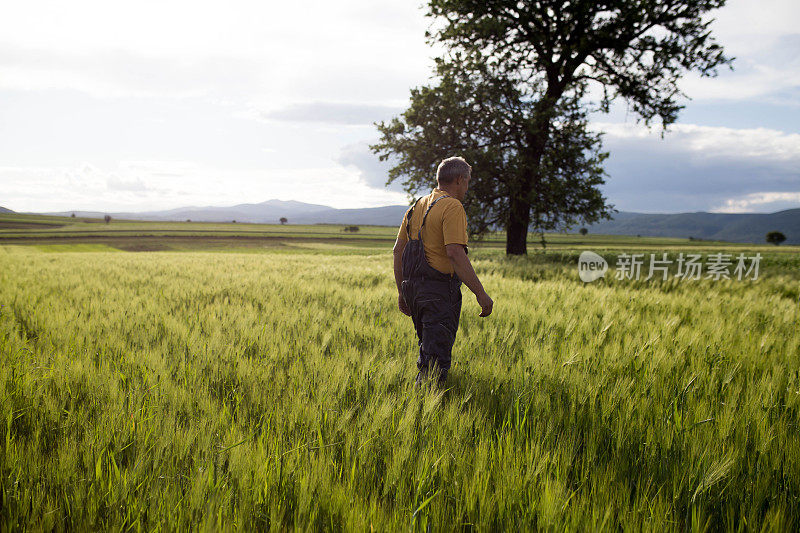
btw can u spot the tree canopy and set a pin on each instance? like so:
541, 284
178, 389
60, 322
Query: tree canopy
775, 237
482, 116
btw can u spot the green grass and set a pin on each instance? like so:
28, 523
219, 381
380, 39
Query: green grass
272, 390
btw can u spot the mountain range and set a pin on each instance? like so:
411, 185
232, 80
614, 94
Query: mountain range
732, 227
269, 212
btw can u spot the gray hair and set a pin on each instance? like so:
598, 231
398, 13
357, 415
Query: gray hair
452, 168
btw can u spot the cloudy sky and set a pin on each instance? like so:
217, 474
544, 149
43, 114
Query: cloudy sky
108, 105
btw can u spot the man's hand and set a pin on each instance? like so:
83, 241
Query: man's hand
486, 304
401, 303
463, 268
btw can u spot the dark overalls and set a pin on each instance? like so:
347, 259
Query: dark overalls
434, 299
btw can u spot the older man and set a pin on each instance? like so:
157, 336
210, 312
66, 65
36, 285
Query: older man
430, 263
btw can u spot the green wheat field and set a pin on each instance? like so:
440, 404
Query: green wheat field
267, 384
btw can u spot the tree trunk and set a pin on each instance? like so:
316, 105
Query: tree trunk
517, 232
519, 216
519, 204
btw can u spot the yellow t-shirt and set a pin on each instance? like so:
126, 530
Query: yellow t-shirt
446, 224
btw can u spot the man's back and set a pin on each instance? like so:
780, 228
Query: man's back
446, 224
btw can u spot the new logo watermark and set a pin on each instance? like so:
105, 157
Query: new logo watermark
592, 266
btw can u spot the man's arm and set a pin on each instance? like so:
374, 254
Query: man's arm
397, 252
463, 268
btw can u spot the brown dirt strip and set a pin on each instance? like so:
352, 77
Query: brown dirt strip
155, 240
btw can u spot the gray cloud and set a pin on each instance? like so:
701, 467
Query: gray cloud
374, 172
333, 113
693, 168
698, 168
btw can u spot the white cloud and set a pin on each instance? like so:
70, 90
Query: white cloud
759, 75
248, 51
711, 141
119, 73
745, 25
131, 86
758, 201
763, 38
148, 185
116, 183
345, 113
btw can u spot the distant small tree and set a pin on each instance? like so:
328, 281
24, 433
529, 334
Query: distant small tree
284, 220
775, 237
107, 218
233, 221
583, 231
353, 229
73, 215
188, 220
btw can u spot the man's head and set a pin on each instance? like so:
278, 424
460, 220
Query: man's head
453, 176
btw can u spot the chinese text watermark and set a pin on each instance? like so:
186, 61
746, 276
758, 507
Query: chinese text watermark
717, 266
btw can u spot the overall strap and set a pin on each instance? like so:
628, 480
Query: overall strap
408, 218
419, 233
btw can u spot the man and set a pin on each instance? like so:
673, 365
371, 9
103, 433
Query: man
430, 263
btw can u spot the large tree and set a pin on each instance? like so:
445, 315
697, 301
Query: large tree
634, 49
482, 115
